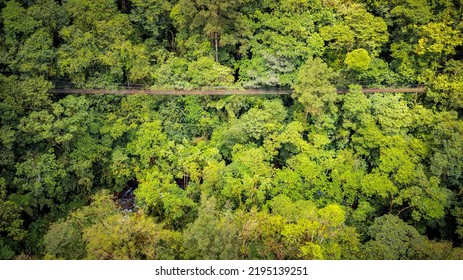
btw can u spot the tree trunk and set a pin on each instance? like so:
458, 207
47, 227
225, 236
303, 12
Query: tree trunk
216, 39
123, 6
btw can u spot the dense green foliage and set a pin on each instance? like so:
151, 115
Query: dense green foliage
315, 175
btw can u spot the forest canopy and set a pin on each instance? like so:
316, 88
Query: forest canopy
311, 175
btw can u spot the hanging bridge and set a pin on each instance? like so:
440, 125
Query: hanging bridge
130, 91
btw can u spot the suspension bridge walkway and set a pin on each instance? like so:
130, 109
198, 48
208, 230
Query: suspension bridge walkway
130, 91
